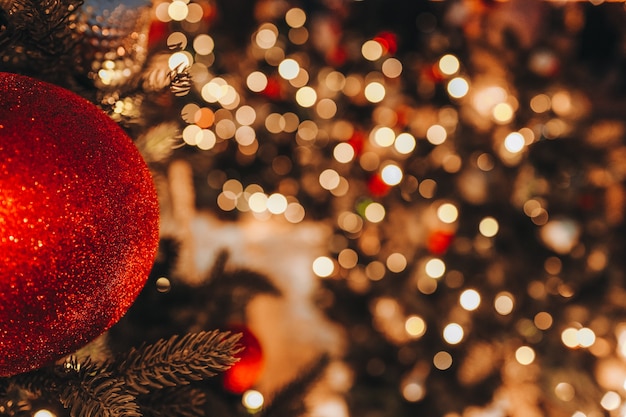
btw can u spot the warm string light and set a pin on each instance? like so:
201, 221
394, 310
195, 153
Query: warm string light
44, 413
253, 401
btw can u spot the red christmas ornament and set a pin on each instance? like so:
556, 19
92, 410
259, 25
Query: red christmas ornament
273, 90
388, 40
78, 223
439, 241
377, 187
357, 141
245, 373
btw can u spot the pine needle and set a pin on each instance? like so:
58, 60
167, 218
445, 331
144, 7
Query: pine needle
177, 361
38, 31
91, 391
183, 401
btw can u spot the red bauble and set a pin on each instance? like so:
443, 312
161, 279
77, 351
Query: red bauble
78, 223
439, 241
388, 40
377, 187
245, 373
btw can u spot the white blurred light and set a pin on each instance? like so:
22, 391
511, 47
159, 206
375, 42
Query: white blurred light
458, 87
453, 333
253, 400
323, 266
391, 174
470, 300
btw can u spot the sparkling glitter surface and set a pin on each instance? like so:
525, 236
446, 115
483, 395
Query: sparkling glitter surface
78, 223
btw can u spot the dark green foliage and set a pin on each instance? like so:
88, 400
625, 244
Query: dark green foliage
185, 401
37, 35
88, 390
119, 387
177, 361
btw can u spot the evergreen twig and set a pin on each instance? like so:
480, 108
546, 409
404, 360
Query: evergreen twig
177, 361
43, 24
38, 32
186, 401
154, 378
92, 391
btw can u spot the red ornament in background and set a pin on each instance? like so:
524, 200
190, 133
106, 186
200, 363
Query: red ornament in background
273, 90
388, 40
357, 141
245, 373
439, 241
377, 187
79, 221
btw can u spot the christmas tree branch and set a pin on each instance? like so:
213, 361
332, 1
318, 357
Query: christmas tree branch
185, 401
44, 24
89, 390
177, 361
150, 380
37, 31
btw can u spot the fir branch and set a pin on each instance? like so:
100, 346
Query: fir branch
177, 361
41, 27
289, 401
92, 391
185, 401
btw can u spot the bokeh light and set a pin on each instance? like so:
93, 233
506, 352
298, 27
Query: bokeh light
458, 87
375, 92
252, 400
435, 268
453, 333
488, 227
525, 355
447, 213
415, 326
449, 64
323, 266
391, 174
470, 299
442, 360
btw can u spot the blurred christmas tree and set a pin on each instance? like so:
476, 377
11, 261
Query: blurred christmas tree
407, 207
